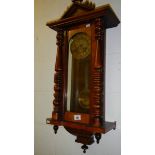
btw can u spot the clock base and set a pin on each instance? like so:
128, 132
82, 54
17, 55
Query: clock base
106, 126
82, 136
84, 133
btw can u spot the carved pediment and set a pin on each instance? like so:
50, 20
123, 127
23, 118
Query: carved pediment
77, 7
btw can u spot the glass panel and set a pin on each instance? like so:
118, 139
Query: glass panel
79, 73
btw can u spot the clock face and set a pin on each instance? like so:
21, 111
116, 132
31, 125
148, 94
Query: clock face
80, 45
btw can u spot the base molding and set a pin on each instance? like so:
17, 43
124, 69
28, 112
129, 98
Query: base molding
84, 133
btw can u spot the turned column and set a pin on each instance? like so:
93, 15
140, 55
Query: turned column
58, 78
98, 75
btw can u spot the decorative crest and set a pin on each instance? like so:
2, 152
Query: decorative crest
78, 4
77, 1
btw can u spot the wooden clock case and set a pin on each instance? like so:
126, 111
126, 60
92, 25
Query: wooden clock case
82, 17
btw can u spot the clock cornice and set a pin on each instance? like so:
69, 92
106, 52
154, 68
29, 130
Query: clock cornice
105, 12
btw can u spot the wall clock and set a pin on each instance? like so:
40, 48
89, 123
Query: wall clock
79, 90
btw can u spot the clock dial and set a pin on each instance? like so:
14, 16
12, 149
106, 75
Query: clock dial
80, 45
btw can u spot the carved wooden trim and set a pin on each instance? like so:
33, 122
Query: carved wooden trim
86, 4
97, 76
76, 1
58, 79
78, 4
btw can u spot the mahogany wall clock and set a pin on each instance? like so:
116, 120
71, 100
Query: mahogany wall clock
79, 90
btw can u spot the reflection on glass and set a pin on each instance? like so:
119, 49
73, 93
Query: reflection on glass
79, 73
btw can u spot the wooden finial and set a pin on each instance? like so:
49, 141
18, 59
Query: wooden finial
76, 1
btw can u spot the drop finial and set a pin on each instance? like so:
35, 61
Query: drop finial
84, 147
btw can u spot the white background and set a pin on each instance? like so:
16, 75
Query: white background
16, 79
